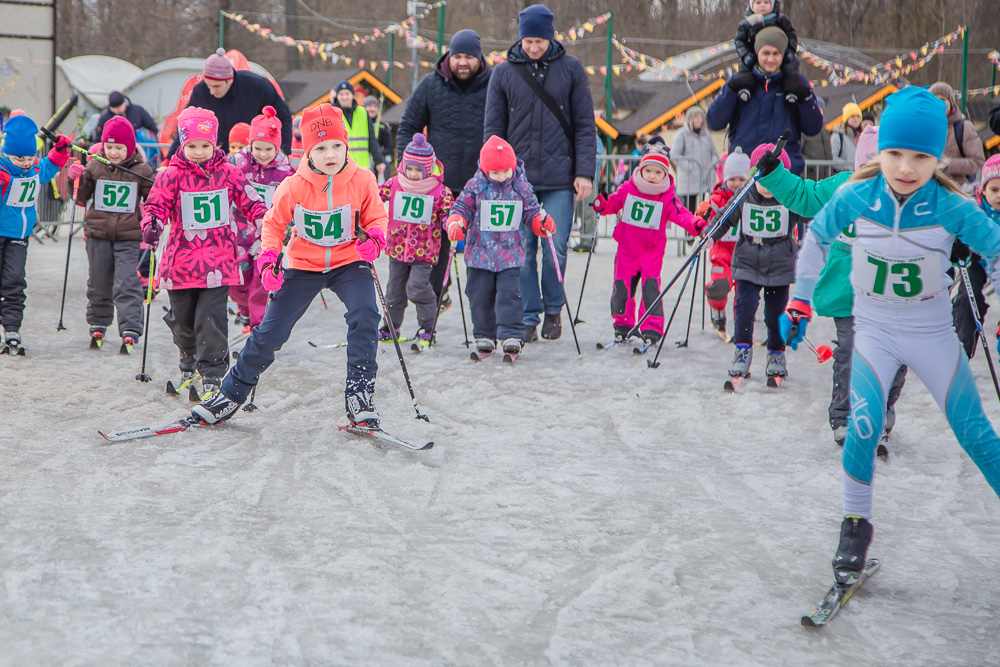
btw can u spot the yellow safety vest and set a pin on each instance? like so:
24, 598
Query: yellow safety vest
357, 138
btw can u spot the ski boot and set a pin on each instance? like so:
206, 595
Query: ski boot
12, 345
856, 535
424, 339
129, 339
650, 337
776, 364
215, 408
741, 361
531, 333
621, 333
719, 321
552, 326
840, 435
210, 387
241, 319
445, 304
511, 348
384, 335
361, 409
96, 337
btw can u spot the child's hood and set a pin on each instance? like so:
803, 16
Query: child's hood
14, 170
775, 8
663, 189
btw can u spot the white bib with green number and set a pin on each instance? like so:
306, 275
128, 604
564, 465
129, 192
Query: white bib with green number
412, 209
115, 196
764, 222
205, 210
896, 281
266, 192
643, 213
497, 215
22, 192
325, 228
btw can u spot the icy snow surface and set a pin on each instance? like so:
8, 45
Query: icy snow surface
573, 511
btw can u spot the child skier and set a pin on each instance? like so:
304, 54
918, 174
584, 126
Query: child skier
761, 14
113, 231
764, 258
418, 205
324, 198
648, 205
493, 209
193, 195
20, 184
264, 166
239, 137
905, 214
735, 172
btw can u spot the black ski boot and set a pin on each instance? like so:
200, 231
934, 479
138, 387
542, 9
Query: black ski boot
361, 409
215, 408
552, 326
621, 333
856, 535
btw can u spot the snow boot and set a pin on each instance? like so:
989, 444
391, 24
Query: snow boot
511, 346
384, 335
531, 333
552, 326
856, 535
840, 435
776, 364
719, 320
741, 361
361, 409
485, 345
215, 408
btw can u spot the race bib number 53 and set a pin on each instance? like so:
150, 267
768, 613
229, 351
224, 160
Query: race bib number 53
765, 222
898, 281
500, 215
325, 228
205, 210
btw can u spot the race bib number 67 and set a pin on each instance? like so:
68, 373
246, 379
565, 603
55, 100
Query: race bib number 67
642, 213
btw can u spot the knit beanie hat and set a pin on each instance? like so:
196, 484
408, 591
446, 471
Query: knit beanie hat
217, 66
467, 42
497, 155
537, 21
420, 154
915, 120
265, 127
240, 133
19, 136
867, 147
737, 165
758, 153
322, 123
658, 158
115, 99
343, 85
850, 109
943, 89
772, 35
119, 130
369, 101
196, 123
991, 170
868, 115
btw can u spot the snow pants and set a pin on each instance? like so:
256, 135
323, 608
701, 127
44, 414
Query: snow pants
353, 285
745, 310
13, 258
840, 402
411, 282
113, 283
495, 303
923, 338
721, 281
635, 267
250, 297
200, 323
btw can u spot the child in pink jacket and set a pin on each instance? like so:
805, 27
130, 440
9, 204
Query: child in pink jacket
194, 195
648, 206
264, 165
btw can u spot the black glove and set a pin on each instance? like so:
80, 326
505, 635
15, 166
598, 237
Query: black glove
768, 163
959, 251
798, 86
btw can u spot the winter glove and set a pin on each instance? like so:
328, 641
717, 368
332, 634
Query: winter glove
543, 226
699, 225
270, 279
756, 19
372, 245
151, 232
959, 252
75, 171
456, 227
60, 150
600, 204
793, 322
768, 163
796, 85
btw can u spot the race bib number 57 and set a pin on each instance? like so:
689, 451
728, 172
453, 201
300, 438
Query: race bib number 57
325, 228
500, 215
205, 210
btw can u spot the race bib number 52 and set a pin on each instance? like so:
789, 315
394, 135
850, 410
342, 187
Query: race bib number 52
205, 210
325, 228
115, 196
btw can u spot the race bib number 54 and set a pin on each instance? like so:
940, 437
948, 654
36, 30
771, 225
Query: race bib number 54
500, 215
898, 281
325, 228
205, 210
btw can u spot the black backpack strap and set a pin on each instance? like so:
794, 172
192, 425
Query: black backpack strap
546, 98
960, 136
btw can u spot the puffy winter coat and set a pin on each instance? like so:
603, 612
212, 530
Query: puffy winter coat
970, 159
514, 113
19, 193
746, 34
410, 240
134, 113
765, 117
202, 255
453, 117
492, 250
694, 174
637, 231
265, 180
116, 212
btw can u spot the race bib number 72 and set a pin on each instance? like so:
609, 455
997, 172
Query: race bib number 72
22, 192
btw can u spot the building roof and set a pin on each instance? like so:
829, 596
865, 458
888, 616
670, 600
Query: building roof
306, 87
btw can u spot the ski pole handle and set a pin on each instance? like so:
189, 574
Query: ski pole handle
276, 269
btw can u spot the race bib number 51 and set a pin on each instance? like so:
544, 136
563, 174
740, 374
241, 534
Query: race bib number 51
500, 215
325, 228
898, 281
115, 196
205, 210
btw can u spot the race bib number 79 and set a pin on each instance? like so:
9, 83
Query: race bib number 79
412, 209
325, 228
897, 281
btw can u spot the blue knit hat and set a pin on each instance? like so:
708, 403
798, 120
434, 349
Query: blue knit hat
467, 42
536, 21
916, 120
19, 137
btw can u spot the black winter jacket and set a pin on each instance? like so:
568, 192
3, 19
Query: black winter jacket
514, 113
246, 98
134, 113
747, 31
453, 118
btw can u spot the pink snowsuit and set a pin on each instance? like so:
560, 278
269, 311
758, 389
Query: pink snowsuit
641, 233
250, 296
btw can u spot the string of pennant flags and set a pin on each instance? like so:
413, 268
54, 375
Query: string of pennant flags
994, 57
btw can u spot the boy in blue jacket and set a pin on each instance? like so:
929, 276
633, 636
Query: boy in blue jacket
21, 180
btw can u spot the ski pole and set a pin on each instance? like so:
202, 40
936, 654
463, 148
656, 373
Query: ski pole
461, 304
69, 247
694, 292
593, 244
704, 297
444, 292
963, 269
100, 158
717, 223
142, 377
276, 269
562, 285
388, 319
655, 363
823, 352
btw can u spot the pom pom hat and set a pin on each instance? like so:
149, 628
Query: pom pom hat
657, 158
119, 131
195, 123
758, 153
266, 127
497, 155
240, 133
914, 120
991, 170
737, 165
420, 154
217, 66
322, 123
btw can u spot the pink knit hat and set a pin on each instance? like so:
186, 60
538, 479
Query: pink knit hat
420, 154
217, 66
867, 147
266, 127
196, 123
758, 153
991, 170
119, 131
497, 155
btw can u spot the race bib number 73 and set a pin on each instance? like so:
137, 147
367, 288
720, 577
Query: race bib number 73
897, 281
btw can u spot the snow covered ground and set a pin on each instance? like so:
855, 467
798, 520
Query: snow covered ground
573, 511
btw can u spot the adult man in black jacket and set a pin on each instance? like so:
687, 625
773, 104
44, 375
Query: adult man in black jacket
450, 102
120, 105
236, 96
559, 151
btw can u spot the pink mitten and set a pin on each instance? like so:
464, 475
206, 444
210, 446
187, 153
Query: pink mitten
75, 171
372, 246
60, 150
265, 266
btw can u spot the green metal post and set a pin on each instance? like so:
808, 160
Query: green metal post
441, 9
965, 67
608, 88
392, 48
222, 27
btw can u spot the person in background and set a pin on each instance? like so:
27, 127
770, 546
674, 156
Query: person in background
844, 140
382, 132
239, 137
867, 120
693, 155
817, 146
120, 105
363, 146
964, 150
